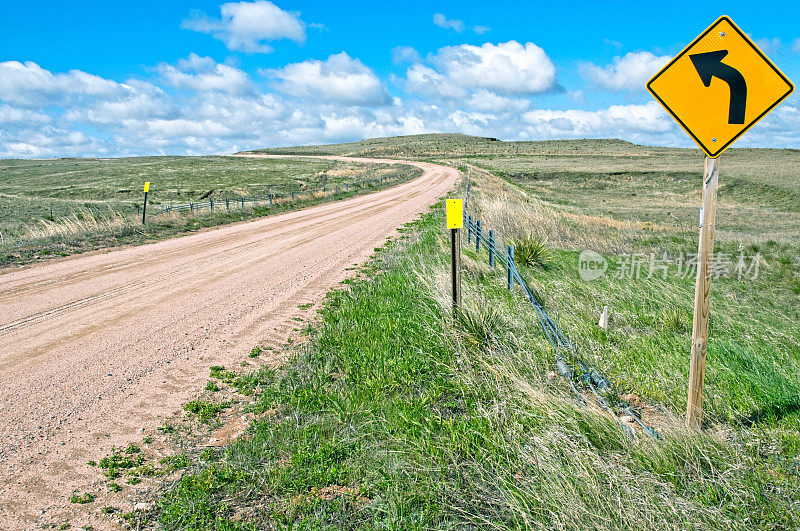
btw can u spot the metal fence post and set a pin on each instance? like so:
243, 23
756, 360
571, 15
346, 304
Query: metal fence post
469, 229
191, 206
242, 201
478, 236
211, 202
511, 266
491, 248
227, 204
270, 199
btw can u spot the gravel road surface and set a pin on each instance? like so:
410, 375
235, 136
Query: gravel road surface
95, 347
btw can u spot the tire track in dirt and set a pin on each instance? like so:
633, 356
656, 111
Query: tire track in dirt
95, 347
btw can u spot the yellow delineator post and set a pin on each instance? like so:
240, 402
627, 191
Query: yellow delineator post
455, 220
144, 206
717, 88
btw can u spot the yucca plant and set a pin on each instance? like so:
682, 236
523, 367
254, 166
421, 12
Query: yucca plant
531, 251
483, 323
675, 319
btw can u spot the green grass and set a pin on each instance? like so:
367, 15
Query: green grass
205, 411
396, 416
59, 207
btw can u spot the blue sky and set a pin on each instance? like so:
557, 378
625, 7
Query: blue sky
135, 78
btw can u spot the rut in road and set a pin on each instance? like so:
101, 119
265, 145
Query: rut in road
95, 347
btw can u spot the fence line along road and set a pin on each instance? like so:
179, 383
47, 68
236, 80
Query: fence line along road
240, 202
565, 351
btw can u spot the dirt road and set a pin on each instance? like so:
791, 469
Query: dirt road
93, 348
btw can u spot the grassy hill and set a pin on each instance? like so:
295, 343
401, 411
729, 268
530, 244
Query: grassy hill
398, 415
57, 207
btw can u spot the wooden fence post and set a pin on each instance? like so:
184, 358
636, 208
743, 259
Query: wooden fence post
702, 291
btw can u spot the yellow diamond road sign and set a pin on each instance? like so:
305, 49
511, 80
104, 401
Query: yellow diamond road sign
719, 86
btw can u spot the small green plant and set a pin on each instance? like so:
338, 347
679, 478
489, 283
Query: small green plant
531, 251
132, 449
166, 428
219, 372
147, 439
65, 525
482, 323
212, 386
108, 509
676, 320
87, 497
255, 352
205, 410
175, 462
91, 463
117, 461
113, 486
134, 480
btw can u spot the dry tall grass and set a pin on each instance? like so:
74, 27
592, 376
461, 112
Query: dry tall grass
514, 214
79, 223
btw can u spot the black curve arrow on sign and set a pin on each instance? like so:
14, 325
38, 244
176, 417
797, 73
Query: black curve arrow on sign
708, 65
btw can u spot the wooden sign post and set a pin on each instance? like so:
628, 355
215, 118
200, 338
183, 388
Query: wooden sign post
455, 221
144, 205
702, 294
717, 88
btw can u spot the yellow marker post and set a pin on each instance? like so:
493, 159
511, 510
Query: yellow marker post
454, 214
144, 206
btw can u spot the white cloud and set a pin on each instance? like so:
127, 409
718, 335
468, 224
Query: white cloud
248, 26
630, 72
486, 101
405, 54
141, 101
507, 67
796, 46
339, 79
198, 106
426, 81
621, 121
610, 42
453, 24
480, 30
13, 115
204, 74
769, 46
30, 85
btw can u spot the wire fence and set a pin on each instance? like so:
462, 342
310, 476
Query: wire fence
228, 203
565, 350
